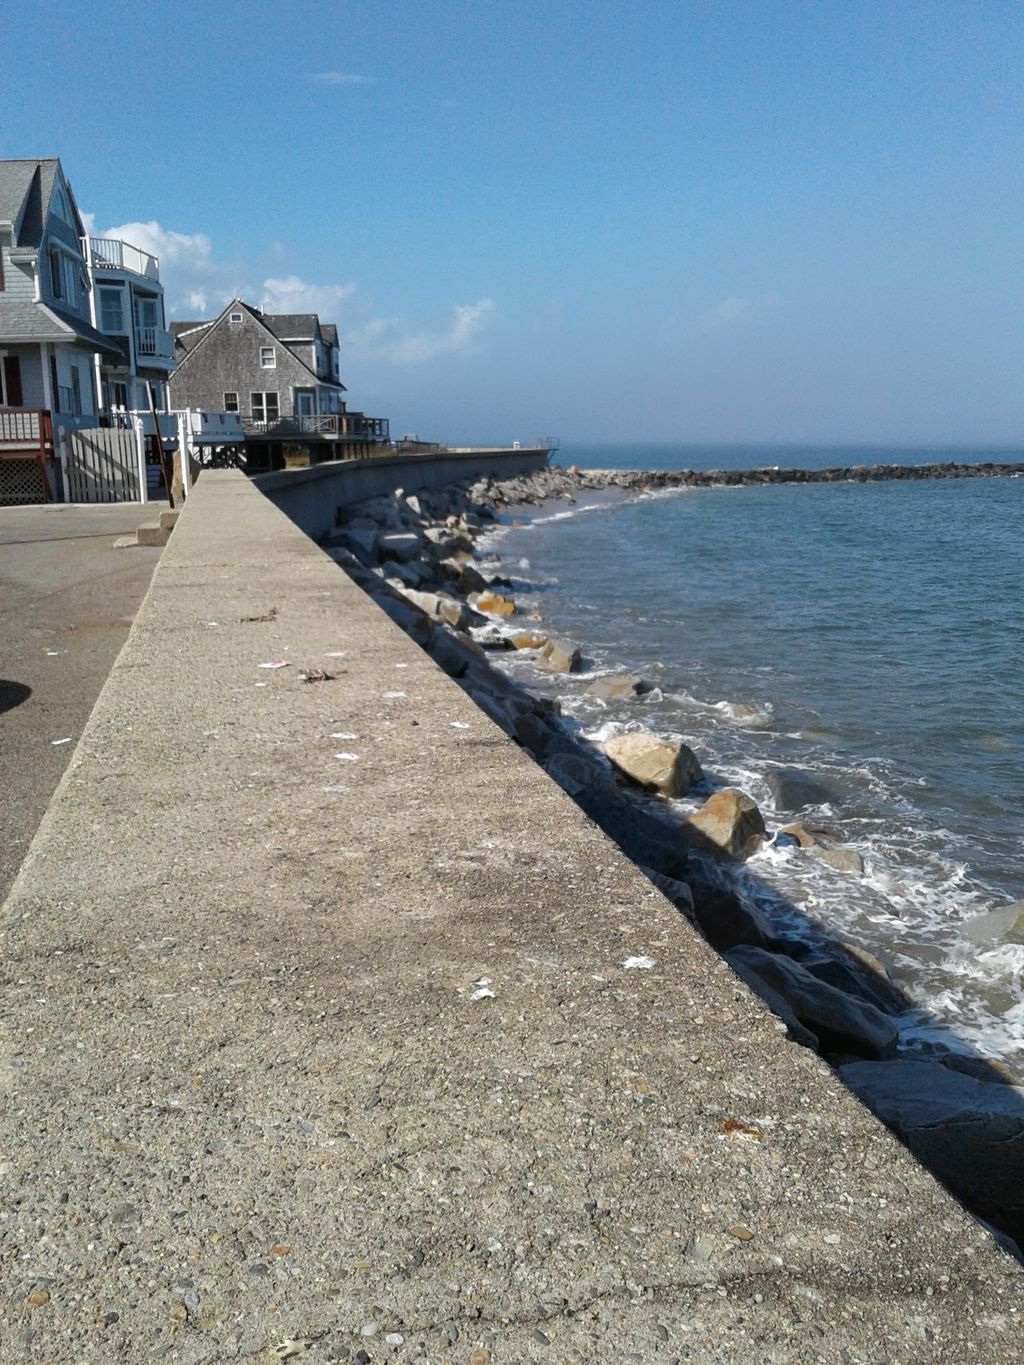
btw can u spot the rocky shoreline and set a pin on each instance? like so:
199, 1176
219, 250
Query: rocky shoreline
417, 556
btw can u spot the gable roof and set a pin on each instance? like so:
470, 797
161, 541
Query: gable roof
202, 330
26, 187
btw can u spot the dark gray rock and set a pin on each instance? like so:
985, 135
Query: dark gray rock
842, 1023
968, 1133
793, 790
725, 921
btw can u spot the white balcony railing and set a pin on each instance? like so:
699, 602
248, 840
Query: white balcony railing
111, 254
155, 342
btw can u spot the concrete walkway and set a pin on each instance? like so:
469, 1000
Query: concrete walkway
67, 599
321, 1035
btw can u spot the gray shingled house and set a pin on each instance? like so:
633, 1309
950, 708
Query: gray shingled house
281, 372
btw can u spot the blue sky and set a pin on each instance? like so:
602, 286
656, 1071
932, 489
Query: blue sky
664, 221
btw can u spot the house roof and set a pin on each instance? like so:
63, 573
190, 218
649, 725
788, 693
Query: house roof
191, 334
85, 332
329, 332
25, 320
25, 188
291, 326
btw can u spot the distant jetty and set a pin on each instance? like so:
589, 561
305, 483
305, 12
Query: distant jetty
776, 474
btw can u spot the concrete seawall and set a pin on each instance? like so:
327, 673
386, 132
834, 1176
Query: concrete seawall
318, 1030
310, 496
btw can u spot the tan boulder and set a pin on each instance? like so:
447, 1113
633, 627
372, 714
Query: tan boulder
493, 603
616, 686
667, 765
561, 656
731, 821
528, 639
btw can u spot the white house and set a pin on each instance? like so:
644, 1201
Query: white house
127, 304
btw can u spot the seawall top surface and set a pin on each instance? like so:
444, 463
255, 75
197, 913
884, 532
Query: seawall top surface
320, 1026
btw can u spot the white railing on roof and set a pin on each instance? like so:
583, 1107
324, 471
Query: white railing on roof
112, 254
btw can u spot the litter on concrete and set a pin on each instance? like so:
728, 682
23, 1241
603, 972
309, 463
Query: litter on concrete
641, 963
458, 725
66, 740
274, 663
347, 757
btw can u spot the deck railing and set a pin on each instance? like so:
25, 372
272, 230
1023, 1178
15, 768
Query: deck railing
328, 424
25, 430
155, 342
109, 253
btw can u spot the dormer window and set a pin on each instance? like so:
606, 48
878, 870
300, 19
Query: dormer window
268, 358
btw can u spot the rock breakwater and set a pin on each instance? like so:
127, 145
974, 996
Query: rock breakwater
640, 480
419, 558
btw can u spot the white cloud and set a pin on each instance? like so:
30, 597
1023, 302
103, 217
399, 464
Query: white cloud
391, 339
294, 295
198, 285
737, 309
340, 78
193, 280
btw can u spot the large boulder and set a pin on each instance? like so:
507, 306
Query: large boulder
1005, 925
443, 607
664, 765
560, 656
842, 1023
793, 790
493, 603
968, 1132
400, 545
576, 772
527, 639
842, 859
615, 686
454, 653
725, 921
466, 575
730, 822
361, 540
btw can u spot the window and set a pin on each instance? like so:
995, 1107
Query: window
264, 407
55, 274
268, 358
231, 402
111, 310
117, 391
70, 279
234, 317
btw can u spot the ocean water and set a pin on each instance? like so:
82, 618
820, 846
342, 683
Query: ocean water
870, 636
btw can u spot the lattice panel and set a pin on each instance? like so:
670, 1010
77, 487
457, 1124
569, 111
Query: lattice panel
22, 480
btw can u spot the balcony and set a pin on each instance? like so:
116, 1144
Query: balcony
154, 344
108, 253
330, 426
